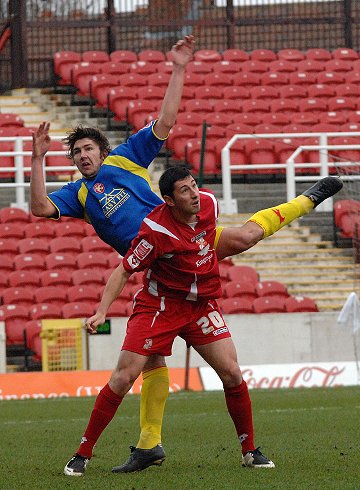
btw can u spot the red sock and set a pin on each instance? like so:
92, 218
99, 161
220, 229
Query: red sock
239, 406
105, 407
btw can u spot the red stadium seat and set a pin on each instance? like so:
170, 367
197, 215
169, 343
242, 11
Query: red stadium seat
210, 94
226, 67
237, 55
99, 85
69, 229
256, 106
95, 56
56, 278
347, 155
159, 79
298, 304
285, 147
6, 264
207, 55
189, 119
347, 90
134, 80
238, 154
292, 55
29, 262
236, 92
330, 78
8, 248
227, 107
151, 93
314, 105
193, 156
193, 80
88, 277
82, 74
77, 310
40, 229
295, 128
254, 66
282, 66
178, 137
33, 340
118, 308
92, 260
274, 79
123, 56
118, 101
6, 161
11, 230
345, 207
237, 305
266, 55
58, 160
271, 288
321, 90
345, 104
246, 79
249, 118
216, 120
318, 54
65, 244
81, 293
264, 93
37, 246
138, 111
10, 120
54, 295
310, 66
345, 54
14, 215
199, 67
266, 128
338, 65
62, 58
243, 289
23, 278
143, 68
15, 317
61, 261
95, 244
276, 119
352, 77
151, 55
269, 304
18, 295
199, 106
261, 152
165, 67
238, 128
213, 132
44, 311
243, 273
284, 106
112, 68
302, 78
219, 80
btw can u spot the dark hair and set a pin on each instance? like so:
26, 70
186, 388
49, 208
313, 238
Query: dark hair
169, 177
94, 134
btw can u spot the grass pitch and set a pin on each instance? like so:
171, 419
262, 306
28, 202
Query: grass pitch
312, 435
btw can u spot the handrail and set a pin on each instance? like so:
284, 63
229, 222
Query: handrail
291, 178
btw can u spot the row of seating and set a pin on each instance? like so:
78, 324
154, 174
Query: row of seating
268, 304
347, 218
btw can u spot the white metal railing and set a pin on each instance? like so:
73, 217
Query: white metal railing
19, 170
229, 204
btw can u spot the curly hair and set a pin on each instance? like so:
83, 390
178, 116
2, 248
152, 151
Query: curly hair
94, 134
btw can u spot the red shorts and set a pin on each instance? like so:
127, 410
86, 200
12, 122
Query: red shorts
156, 322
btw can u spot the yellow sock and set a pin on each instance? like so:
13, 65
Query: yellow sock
154, 393
273, 219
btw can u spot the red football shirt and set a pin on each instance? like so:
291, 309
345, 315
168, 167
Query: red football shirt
180, 258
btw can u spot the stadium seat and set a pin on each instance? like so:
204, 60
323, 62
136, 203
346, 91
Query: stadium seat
282, 66
256, 106
269, 304
138, 111
61, 261
212, 132
342, 104
193, 80
29, 262
292, 55
254, 66
352, 155
226, 67
123, 56
6, 264
88, 277
303, 78
69, 229
350, 127
219, 80
284, 106
318, 54
200, 106
151, 93
100, 86
207, 55
352, 77
264, 93
33, 342
266, 128
276, 119
238, 154
6, 161
17, 295
112, 68
14, 215
95, 56
354, 117
63, 61
218, 120
65, 244
338, 65
92, 260
54, 295
243, 289
8, 248
118, 99
77, 310
24, 278
10, 120
310, 66
193, 156
333, 117
37, 246
118, 308
330, 78
274, 79
261, 152
238, 128
15, 317
249, 118
178, 137
227, 107
41, 230
271, 288
58, 160
151, 55
265, 55
56, 278
313, 105
237, 305
246, 79
95, 244
236, 55
159, 79
81, 293
82, 74
285, 147
189, 119
298, 304
321, 90
134, 80
208, 93
236, 92
199, 67
143, 68
44, 311
347, 90
11, 230
165, 67
243, 273
323, 128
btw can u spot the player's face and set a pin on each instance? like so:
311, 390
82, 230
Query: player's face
87, 157
186, 196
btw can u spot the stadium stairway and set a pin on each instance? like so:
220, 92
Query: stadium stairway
307, 264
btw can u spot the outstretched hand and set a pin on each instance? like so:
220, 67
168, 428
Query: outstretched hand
41, 140
182, 51
94, 321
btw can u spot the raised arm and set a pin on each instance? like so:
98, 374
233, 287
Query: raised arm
182, 53
113, 288
40, 205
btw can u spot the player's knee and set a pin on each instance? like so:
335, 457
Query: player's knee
122, 380
231, 375
154, 361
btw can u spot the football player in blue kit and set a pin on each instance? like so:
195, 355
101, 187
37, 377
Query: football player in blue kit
115, 194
